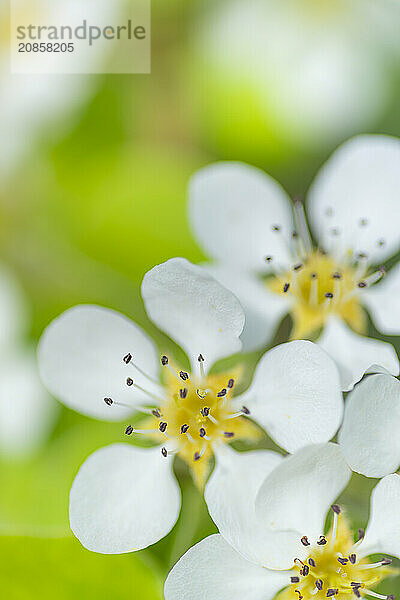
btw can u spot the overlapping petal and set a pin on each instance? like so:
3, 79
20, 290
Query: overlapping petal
383, 531
298, 492
123, 499
360, 187
230, 495
382, 300
263, 309
213, 569
355, 354
369, 436
233, 208
80, 360
295, 395
196, 311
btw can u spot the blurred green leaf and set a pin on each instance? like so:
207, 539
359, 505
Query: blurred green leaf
51, 568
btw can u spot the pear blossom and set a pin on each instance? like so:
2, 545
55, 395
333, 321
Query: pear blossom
272, 541
27, 411
102, 364
265, 254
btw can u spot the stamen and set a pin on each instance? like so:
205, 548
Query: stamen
322, 540
373, 594
305, 571
162, 426
201, 365
352, 558
320, 584
343, 561
332, 592
130, 383
201, 393
231, 383
295, 579
129, 430
381, 563
313, 298
183, 393
304, 541
184, 428
300, 596
128, 359
164, 452
222, 393
189, 437
229, 434
183, 375
368, 281
302, 226
336, 512
202, 432
311, 562
205, 411
213, 419
286, 287
165, 363
109, 401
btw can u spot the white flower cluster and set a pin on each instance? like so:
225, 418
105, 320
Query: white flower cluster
270, 510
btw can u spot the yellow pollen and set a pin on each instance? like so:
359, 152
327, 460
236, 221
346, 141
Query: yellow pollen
318, 288
199, 413
322, 575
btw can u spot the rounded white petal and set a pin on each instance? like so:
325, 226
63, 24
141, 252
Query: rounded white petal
14, 312
212, 569
80, 360
298, 493
230, 496
196, 311
295, 395
27, 411
369, 436
123, 499
233, 208
354, 354
361, 181
382, 300
383, 531
262, 308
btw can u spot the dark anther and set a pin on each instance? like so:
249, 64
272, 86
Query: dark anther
311, 562
362, 255
268, 258
295, 579
202, 432
183, 393
205, 411
297, 267
200, 358
335, 231
164, 360
304, 541
305, 570
231, 383
322, 541
295, 235
229, 434
314, 275
129, 430
245, 410
221, 393
156, 413
355, 584
363, 222
127, 359
343, 561
329, 211
381, 242
184, 428
300, 596
183, 375
164, 452
336, 508
286, 287
391, 597
331, 592
328, 295
129, 381
356, 591
196, 456
320, 584
362, 284
108, 401
352, 558
382, 270
276, 227
386, 561
361, 534
337, 275
162, 426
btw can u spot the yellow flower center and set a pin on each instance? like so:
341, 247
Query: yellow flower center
333, 569
195, 413
319, 287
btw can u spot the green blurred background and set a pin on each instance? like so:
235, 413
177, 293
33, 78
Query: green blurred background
96, 195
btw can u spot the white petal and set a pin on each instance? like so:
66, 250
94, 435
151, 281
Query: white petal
14, 312
360, 181
213, 570
382, 300
27, 411
295, 395
355, 354
369, 436
233, 207
80, 360
262, 308
123, 499
298, 493
230, 495
194, 309
383, 531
